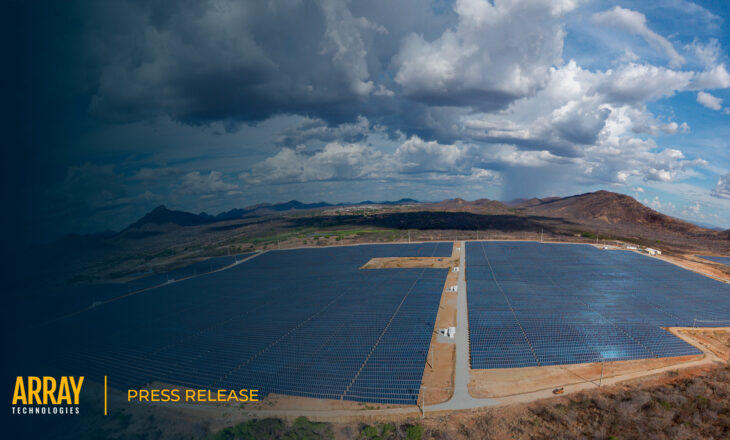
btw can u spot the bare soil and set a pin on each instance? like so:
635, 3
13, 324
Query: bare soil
704, 267
409, 262
501, 382
717, 340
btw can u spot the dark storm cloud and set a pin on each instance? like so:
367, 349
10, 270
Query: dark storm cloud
200, 62
207, 105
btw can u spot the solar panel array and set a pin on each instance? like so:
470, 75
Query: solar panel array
533, 304
721, 260
47, 305
301, 322
199, 268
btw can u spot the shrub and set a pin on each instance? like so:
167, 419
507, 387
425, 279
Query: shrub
381, 431
301, 429
414, 432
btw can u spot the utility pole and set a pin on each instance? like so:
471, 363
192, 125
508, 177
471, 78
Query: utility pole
600, 381
540, 235
409, 236
423, 403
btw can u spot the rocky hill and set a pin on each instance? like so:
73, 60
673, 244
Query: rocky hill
611, 209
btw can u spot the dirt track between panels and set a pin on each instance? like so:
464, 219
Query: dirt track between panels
438, 374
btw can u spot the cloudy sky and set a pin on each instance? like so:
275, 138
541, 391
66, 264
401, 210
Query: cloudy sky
209, 105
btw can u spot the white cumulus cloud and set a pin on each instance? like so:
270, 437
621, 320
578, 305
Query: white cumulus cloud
196, 183
709, 101
498, 52
635, 23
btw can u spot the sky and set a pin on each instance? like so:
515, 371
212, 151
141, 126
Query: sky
117, 107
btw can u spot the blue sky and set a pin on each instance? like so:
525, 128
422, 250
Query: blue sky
207, 106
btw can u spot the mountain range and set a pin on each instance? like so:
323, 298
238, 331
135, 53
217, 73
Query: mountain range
600, 209
166, 237
162, 215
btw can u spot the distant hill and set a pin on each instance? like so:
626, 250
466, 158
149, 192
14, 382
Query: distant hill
480, 206
606, 211
397, 202
610, 208
163, 216
524, 203
268, 208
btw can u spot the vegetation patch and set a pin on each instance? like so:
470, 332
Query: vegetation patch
265, 429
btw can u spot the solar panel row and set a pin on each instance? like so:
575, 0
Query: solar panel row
301, 322
545, 304
48, 305
721, 260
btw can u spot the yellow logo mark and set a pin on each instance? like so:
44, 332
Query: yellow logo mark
47, 391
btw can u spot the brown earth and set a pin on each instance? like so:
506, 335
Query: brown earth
717, 340
408, 262
501, 382
700, 265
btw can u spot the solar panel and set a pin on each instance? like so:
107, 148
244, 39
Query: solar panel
533, 304
305, 322
721, 260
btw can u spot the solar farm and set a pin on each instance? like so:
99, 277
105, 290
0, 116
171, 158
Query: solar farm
536, 304
303, 322
311, 322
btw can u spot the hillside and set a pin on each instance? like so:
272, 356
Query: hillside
163, 216
611, 209
480, 206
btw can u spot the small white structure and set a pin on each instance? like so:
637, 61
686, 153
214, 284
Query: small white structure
653, 251
631, 248
451, 332
456, 269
